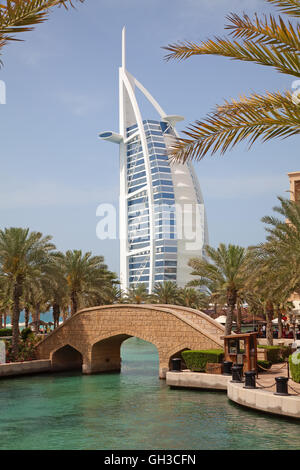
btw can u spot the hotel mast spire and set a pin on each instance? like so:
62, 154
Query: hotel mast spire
124, 48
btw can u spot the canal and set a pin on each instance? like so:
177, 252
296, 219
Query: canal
132, 410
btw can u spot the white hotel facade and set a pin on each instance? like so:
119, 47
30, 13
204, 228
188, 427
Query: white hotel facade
162, 217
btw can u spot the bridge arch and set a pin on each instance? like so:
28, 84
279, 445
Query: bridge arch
97, 334
66, 358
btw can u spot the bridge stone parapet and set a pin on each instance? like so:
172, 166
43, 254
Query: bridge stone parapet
91, 339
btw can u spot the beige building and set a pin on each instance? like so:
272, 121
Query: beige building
294, 185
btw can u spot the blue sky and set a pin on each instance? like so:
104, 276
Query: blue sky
62, 90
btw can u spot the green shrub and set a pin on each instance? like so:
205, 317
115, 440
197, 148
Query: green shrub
27, 351
264, 365
295, 368
196, 360
6, 332
285, 352
26, 333
273, 353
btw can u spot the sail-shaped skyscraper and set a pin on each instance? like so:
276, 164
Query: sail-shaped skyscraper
162, 215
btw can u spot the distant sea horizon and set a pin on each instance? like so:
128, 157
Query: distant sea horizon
47, 316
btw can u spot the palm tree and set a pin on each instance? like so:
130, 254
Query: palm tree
211, 289
193, 298
265, 41
165, 293
114, 295
19, 16
266, 284
23, 255
225, 267
37, 296
5, 300
86, 276
137, 294
275, 274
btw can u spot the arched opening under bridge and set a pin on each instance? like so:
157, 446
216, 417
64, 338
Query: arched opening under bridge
67, 358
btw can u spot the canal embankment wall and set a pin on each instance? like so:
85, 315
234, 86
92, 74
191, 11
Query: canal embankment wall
257, 399
25, 368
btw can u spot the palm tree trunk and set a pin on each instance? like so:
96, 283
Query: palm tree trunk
280, 326
73, 303
239, 318
1, 320
56, 313
17, 292
4, 321
37, 318
231, 301
269, 318
65, 315
27, 313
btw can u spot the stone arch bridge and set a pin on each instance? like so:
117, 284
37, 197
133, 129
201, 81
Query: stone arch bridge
91, 339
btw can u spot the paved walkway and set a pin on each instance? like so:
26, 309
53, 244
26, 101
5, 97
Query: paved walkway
266, 379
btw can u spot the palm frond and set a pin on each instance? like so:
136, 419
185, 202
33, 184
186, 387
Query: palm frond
271, 32
285, 61
267, 102
250, 120
289, 7
22, 15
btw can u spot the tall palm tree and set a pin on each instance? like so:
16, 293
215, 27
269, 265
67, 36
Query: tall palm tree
266, 283
277, 261
165, 293
268, 41
226, 268
5, 300
137, 294
56, 288
23, 255
86, 275
114, 295
193, 298
215, 294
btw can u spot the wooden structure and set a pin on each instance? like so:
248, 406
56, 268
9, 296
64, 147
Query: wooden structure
242, 349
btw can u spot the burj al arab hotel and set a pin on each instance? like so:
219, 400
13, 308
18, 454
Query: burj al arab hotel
162, 217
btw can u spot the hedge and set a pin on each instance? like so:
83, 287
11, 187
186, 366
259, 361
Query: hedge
5, 332
273, 353
295, 368
196, 360
264, 365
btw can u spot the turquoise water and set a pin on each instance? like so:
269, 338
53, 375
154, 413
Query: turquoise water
132, 410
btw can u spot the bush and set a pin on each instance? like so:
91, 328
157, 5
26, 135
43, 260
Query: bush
196, 360
273, 353
26, 333
26, 350
264, 365
5, 332
295, 368
285, 352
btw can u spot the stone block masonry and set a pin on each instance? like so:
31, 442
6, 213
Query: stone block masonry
92, 338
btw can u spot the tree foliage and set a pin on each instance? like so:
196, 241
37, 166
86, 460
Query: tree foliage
269, 41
